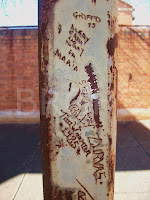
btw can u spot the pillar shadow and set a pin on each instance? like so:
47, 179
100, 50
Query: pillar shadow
20, 148
133, 145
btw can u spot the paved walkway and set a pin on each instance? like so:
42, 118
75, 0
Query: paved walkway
20, 166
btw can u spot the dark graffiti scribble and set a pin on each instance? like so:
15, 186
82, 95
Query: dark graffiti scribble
92, 78
71, 53
61, 144
84, 188
83, 102
81, 195
78, 150
96, 112
59, 28
78, 35
67, 121
92, 25
60, 193
70, 84
76, 40
75, 98
94, 1
93, 83
65, 113
65, 60
73, 134
82, 16
74, 109
80, 116
96, 144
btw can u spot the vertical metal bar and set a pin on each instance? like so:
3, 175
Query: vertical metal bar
77, 58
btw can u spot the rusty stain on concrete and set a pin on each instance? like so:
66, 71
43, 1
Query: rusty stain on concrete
94, 1
112, 44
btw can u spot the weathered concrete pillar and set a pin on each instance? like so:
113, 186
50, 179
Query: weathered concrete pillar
77, 56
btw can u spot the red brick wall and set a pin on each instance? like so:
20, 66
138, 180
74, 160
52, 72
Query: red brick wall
19, 68
134, 68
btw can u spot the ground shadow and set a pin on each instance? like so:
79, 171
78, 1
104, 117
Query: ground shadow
133, 146
19, 146
20, 150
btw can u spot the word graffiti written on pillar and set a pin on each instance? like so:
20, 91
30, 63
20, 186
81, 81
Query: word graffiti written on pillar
79, 116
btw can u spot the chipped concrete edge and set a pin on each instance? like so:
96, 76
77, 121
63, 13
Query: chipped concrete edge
34, 117
19, 117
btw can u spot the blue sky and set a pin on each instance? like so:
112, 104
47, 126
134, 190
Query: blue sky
24, 12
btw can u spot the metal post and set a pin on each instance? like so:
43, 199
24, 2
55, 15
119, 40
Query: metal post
77, 57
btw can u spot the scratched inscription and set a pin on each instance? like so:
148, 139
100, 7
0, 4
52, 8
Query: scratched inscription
65, 60
98, 157
81, 114
83, 110
91, 19
78, 116
81, 195
77, 39
86, 17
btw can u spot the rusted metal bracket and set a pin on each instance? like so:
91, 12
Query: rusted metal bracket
77, 58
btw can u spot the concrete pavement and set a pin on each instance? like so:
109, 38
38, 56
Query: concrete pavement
20, 168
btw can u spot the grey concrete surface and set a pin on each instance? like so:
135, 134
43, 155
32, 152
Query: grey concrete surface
20, 162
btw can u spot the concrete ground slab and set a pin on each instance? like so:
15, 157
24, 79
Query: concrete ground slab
32, 185
9, 187
31, 188
132, 182
132, 196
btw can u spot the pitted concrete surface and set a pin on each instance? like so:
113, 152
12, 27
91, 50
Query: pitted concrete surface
20, 168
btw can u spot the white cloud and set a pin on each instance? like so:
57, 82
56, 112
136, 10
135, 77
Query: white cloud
25, 13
